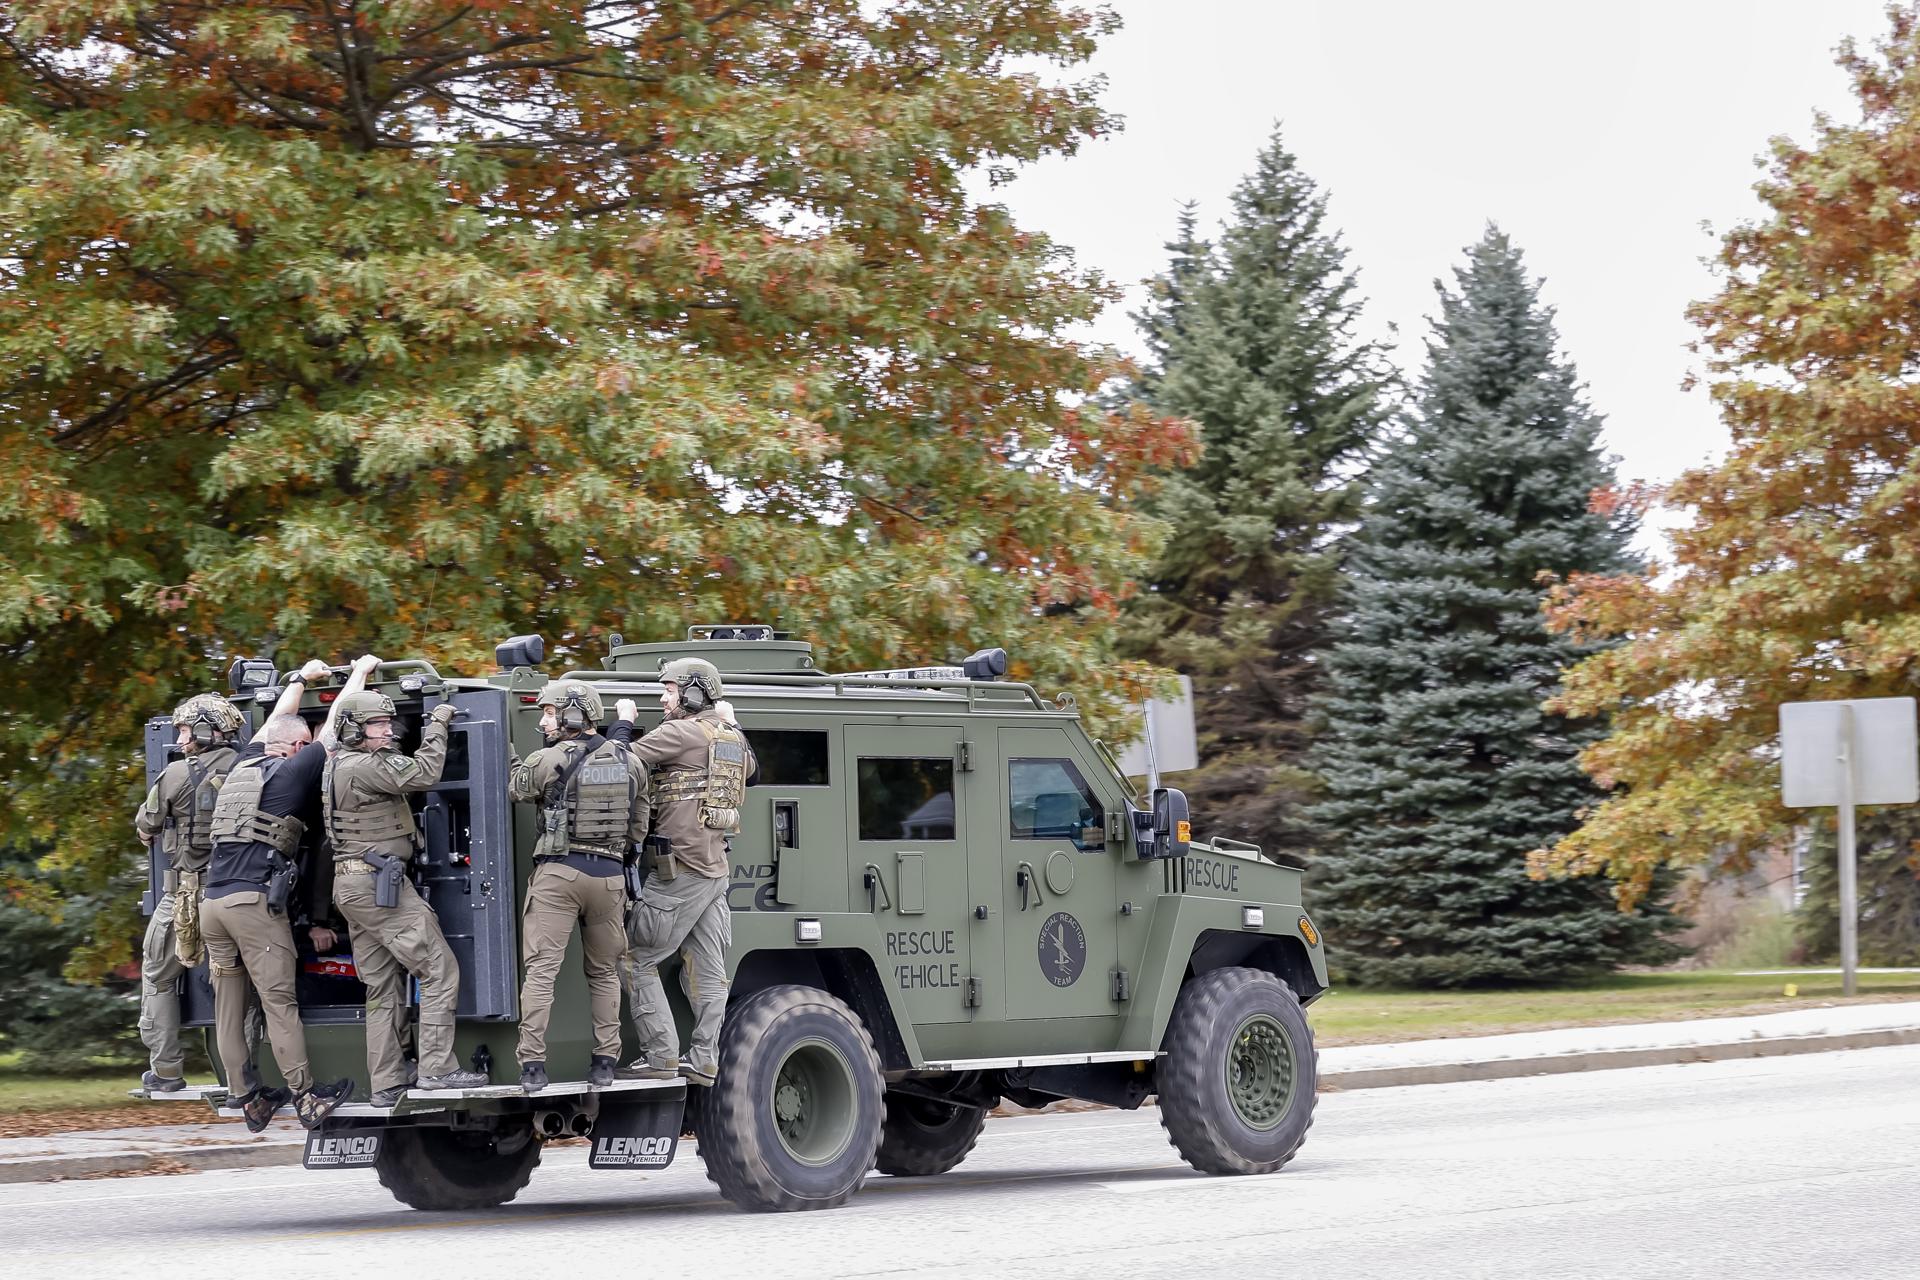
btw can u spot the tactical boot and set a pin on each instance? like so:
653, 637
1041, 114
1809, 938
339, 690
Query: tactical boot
389, 1097
700, 1073
317, 1103
533, 1076
455, 1079
154, 1082
644, 1069
259, 1106
600, 1071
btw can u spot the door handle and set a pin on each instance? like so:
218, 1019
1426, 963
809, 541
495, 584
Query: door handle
1028, 882
877, 895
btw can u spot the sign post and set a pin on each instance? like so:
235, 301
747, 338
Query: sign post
1846, 753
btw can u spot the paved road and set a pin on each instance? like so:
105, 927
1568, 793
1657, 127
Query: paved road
1801, 1167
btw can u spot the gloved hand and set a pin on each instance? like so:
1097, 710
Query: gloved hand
444, 713
626, 709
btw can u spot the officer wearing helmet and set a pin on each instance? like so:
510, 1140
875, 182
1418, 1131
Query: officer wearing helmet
592, 793
179, 811
363, 800
263, 812
700, 762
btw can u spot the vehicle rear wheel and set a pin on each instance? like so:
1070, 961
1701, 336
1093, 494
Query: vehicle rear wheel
923, 1136
1238, 1072
433, 1167
793, 1122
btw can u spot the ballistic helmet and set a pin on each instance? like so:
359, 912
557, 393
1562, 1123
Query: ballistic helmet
358, 708
211, 718
699, 682
576, 705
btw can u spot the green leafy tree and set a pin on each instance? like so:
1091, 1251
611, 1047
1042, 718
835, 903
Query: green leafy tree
49, 1021
335, 327
1888, 888
1253, 341
1794, 579
1442, 771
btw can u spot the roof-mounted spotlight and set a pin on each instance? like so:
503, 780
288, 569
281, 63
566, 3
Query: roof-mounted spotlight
247, 675
985, 664
519, 651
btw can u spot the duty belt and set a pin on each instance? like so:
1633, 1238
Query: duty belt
350, 867
579, 853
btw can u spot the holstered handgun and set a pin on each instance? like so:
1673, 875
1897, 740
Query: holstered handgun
284, 874
386, 879
636, 872
658, 855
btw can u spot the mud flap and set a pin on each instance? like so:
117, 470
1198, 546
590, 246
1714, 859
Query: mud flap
641, 1133
342, 1147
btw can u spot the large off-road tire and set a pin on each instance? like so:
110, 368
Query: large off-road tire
432, 1167
923, 1137
1238, 1072
794, 1120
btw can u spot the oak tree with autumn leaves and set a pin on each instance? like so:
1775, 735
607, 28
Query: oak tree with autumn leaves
331, 326
1799, 576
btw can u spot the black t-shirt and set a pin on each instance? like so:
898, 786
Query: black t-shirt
293, 790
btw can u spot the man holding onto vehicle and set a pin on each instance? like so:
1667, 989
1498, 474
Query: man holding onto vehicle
257, 824
179, 810
700, 763
593, 797
363, 793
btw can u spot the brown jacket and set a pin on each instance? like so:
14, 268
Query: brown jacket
675, 746
188, 839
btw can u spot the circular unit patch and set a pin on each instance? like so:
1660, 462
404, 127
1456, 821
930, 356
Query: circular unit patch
1063, 949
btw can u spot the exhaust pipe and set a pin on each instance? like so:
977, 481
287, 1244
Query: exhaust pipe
580, 1125
550, 1123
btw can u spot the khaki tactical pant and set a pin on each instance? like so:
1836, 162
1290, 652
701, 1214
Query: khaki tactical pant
246, 941
160, 971
687, 914
390, 943
558, 897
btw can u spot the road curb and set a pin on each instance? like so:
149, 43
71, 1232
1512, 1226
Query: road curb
1613, 1059
161, 1160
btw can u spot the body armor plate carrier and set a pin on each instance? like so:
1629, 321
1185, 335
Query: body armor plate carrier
381, 819
593, 811
721, 787
237, 818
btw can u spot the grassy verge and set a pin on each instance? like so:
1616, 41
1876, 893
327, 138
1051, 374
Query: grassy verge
1357, 1016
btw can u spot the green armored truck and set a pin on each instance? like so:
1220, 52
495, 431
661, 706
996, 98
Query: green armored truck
944, 893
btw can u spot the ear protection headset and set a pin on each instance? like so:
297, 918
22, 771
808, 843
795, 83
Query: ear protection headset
204, 731
352, 732
693, 695
573, 714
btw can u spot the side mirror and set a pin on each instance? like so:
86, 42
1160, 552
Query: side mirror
1167, 831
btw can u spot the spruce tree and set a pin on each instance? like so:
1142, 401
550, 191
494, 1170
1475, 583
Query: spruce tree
1442, 770
1888, 874
1252, 339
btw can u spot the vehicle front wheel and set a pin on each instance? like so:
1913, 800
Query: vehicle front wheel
923, 1136
433, 1167
793, 1122
1237, 1073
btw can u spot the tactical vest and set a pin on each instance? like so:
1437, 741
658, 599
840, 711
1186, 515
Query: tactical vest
720, 788
382, 819
201, 796
599, 804
237, 818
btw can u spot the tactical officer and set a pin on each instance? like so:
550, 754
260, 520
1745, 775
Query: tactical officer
179, 810
700, 763
593, 798
394, 933
258, 822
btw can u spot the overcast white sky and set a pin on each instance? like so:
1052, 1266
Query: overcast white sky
1599, 136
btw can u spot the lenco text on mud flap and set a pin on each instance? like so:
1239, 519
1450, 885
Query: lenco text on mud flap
341, 1148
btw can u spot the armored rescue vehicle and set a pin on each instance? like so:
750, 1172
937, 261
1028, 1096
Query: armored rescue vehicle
944, 893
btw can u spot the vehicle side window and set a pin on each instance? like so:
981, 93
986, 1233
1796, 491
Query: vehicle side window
905, 799
1050, 800
791, 757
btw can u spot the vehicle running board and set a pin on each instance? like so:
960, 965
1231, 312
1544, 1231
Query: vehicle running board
1042, 1060
189, 1093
